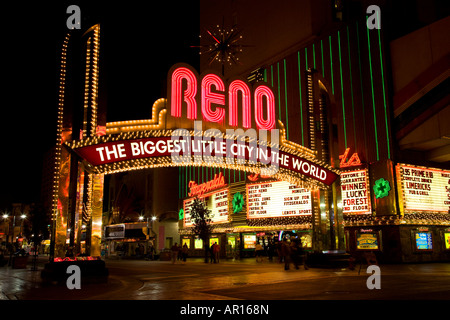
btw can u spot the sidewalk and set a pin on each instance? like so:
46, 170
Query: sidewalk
230, 279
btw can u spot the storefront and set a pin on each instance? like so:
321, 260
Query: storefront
418, 233
258, 210
126, 240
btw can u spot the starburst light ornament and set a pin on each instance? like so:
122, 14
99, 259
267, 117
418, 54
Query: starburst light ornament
222, 45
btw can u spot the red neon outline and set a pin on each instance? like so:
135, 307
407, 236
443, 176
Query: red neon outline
189, 94
208, 98
235, 86
269, 123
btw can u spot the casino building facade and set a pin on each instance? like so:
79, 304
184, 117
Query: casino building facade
318, 129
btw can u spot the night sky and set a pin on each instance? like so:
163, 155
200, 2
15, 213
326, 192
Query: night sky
140, 41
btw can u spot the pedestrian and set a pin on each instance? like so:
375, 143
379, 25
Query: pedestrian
258, 252
270, 250
216, 251
285, 251
295, 252
174, 250
211, 252
184, 252
151, 251
302, 255
179, 257
279, 253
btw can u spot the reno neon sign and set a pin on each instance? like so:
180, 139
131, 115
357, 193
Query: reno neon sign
219, 103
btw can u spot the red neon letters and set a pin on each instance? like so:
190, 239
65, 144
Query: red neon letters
189, 94
183, 93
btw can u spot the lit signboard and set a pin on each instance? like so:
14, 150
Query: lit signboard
447, 240
367, 241
277, 199
424, 241
249, 241
116, 231
355, 192
216, 201
423, 189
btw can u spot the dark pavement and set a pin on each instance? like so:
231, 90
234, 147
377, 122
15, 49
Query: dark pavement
233, 280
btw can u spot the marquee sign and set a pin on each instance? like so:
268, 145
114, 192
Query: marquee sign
128, 150
423, 189
155, 142
277, 199
219, 103
216, 201
355, 192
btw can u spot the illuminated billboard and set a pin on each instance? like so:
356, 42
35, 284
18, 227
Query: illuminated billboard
423, 189
216, 201
355, 192
424, 241
277, 199
367, 241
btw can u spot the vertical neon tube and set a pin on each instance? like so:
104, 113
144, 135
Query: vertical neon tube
261, 123
351, 86
189, 94
234, 88
300, 91
331, 65
285, 99
373, 94
342, 91
208, 98
384, 93
362, 88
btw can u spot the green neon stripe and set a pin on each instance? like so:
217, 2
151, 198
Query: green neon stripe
331, 65
351, 87
314, 56
300, 91
323, 64
384, 95
342, 91
179, 182
271, 74
373, 95
285, 99
265, 75
279, 89
185, 191
306, 58
362, 88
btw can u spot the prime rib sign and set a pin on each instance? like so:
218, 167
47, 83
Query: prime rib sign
214, 98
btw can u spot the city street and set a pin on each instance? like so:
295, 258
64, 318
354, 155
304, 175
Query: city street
234, 280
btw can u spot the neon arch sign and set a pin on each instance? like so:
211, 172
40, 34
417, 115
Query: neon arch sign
219, 103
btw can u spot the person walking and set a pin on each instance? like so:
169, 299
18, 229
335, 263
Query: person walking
216, 250
285, 251
184, 252
258, 252
302, 255
174, 250
211, 252
295, 252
